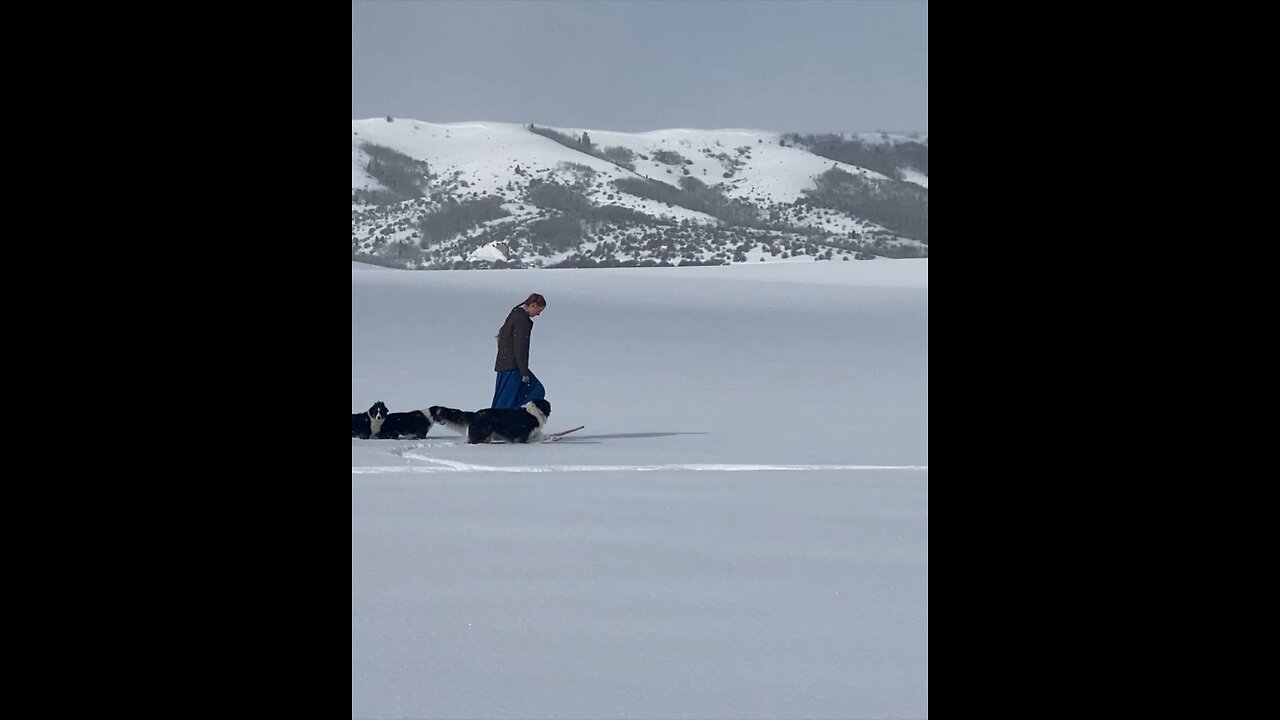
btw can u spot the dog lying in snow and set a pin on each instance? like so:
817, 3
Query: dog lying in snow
515, 425
414, 424
367, 424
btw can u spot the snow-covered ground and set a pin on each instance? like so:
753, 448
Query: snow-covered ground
740, 531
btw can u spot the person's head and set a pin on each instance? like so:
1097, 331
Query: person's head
534, 304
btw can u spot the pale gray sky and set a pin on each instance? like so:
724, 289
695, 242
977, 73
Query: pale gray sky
634, 65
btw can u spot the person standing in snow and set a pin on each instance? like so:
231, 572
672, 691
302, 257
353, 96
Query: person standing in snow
516, 384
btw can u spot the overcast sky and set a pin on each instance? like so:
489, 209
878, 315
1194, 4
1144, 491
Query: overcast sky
634, 65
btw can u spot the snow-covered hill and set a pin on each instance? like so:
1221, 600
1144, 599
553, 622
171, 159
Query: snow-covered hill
483, 194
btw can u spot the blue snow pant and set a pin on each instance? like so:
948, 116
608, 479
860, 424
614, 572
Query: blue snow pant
509, 392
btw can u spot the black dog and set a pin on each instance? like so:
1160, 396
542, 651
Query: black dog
515, 425
414, 424
456, 420
366, 424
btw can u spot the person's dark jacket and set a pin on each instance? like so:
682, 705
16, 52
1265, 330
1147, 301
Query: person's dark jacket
513, 342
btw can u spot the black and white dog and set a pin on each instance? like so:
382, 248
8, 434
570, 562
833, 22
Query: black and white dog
414, 424
366, 424
515, 425
453, 419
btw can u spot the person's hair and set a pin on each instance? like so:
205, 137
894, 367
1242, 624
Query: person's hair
533, 299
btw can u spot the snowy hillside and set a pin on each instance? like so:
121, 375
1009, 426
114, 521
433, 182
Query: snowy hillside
430, 195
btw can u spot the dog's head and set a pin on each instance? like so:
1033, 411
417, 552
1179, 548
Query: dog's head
540, 409
452, 418
442, 414
378, 411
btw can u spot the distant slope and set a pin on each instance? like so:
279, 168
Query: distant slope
428, 195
